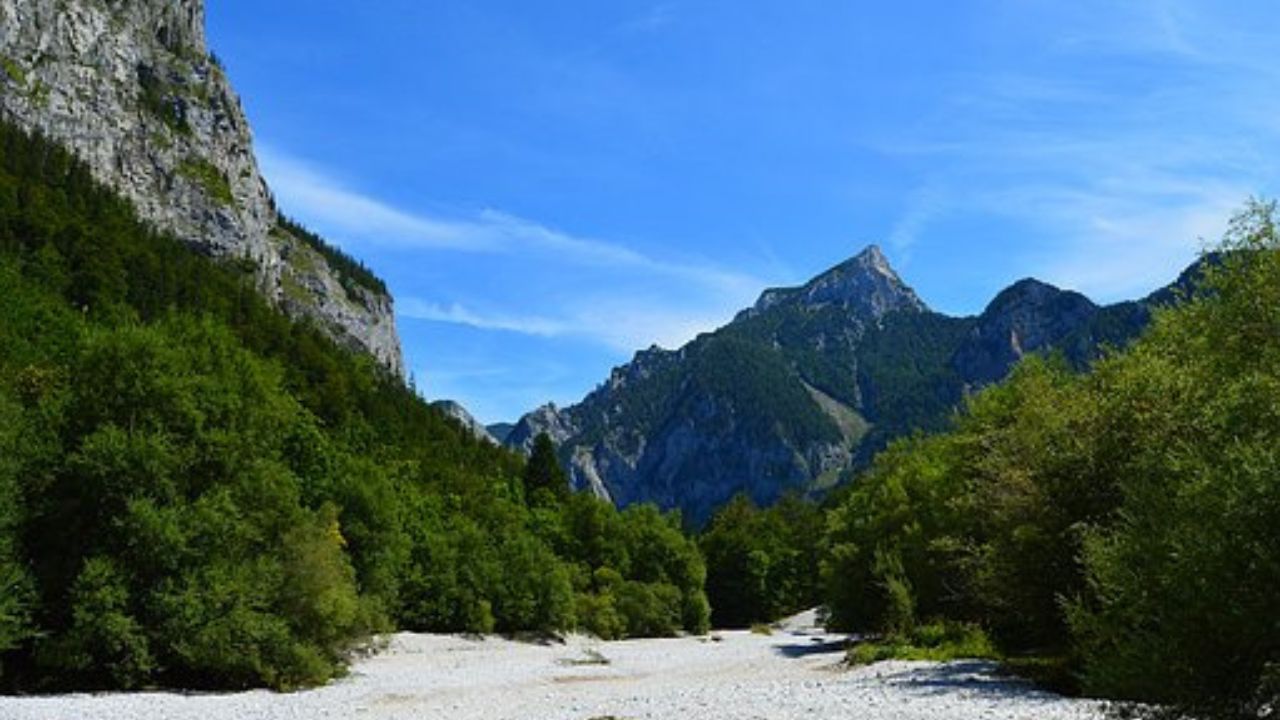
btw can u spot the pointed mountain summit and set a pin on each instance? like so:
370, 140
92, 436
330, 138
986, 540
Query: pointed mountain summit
865, 284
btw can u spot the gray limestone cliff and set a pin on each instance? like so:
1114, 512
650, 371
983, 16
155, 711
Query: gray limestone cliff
131, 88
460, 414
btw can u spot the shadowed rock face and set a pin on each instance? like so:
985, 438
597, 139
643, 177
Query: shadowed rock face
1026, 317
804, 387
131, 89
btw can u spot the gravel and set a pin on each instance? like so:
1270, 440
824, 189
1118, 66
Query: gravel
793, 673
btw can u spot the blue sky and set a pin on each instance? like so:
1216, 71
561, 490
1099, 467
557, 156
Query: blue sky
548, 187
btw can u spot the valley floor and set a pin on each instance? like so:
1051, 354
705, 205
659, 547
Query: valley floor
793, 673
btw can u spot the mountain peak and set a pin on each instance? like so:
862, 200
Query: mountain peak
865, 284
1032, 293
873, 256
870, 261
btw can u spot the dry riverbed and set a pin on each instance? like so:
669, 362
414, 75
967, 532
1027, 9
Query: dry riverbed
793, 673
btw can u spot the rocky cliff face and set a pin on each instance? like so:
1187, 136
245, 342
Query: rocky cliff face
131, 88
1026, 317
802, 388
457, 412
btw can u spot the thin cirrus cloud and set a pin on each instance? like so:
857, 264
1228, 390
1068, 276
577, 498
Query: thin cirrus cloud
456, 314
621, 324
622, 312
1118, 201
322, 198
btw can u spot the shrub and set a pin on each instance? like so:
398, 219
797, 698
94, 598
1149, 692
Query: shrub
938, 641
598, 615
650, 609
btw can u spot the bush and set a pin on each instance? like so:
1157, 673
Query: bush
16, 596
762, 564
937, 641
650, 609
598, 615
104, 645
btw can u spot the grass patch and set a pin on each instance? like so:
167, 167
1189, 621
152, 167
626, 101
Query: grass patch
1048, 672
938, 642
209, 178
294, 290
159, 98
13, 70
761, 629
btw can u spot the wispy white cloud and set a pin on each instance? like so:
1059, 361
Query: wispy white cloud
622, 323
456, 314
317, 195
927, 203
628, 299
310, 192
1116, 246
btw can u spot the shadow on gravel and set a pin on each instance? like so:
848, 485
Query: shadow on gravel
815, 646
970, 677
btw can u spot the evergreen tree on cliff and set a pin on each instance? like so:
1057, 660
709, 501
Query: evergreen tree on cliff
543, 475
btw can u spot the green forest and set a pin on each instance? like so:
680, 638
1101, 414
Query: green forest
197, 492
1124, 523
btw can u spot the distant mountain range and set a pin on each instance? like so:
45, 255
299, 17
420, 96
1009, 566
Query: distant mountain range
806, 385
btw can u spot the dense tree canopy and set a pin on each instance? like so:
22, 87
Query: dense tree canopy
762, 564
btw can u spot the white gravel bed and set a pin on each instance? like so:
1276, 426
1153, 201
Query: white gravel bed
793, 673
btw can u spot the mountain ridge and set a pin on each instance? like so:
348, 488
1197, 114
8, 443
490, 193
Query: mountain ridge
799, 390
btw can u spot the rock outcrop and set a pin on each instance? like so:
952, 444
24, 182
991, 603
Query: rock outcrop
546, 419
455, 410
132, 89
865, 285
1025, 318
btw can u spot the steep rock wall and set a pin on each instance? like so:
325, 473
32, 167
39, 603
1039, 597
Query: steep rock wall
131, 88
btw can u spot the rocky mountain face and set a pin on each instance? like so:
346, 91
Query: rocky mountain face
1026, 317
132, 89
865, 286
458, 413
805, 386
500, 431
